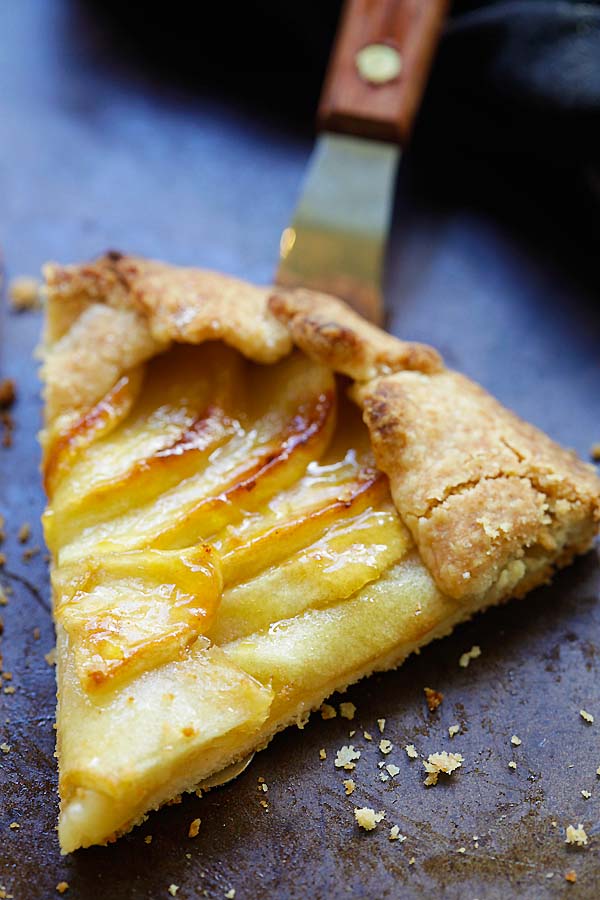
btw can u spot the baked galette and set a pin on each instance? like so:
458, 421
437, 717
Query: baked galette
254, 499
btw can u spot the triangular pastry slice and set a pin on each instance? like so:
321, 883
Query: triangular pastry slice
231, 542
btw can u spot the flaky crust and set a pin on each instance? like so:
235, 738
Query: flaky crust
483, 492
493, 504
330, 332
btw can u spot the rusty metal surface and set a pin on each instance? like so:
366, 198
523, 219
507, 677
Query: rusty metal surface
96, 153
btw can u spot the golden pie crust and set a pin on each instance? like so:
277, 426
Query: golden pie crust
231, 544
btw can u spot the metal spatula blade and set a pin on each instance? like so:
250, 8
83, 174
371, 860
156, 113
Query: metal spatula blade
336, 240
376, 76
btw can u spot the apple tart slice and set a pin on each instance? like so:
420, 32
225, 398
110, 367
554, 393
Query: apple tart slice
255, 499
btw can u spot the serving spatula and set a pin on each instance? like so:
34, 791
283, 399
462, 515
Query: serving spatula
374, 84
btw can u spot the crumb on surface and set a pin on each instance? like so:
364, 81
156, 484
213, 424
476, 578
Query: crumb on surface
8, 393
466, 658
367, 818
411, 751
586, 795
346, 756
322, 753
30, 552
14, 826
441, 763
347, 710
5, 747
381, 724
24, 533
50, 657
432, 698
571, 876
230, 894
586, 716
148, 839
392, 769
512, 764
385, 746
194, 828
453, 729
516, 741
349, 786
395, 835
62, 886
172, 889
24, 293
367, 736
328, 712
412, 861
462, 850
576, 835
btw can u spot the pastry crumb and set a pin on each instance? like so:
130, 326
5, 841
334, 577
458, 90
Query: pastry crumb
5, 747
441, 763
395, 834
24, 293
367, 736
466, 657
328, 712
381, 724
411, 751
462, 850
148, 839
432, 698
24, 533
392, 769
516, 741
385, 746
14, 826
367, 818
512, 764
194, 828
322, 753
347, 710
346, 756
586, 795
412, 861
8, 393
571, 876
349, 786
586, 716
453, 729
62, 886
173, 888
230, 894
576, 835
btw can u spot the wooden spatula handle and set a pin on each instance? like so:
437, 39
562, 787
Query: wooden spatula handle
379, 66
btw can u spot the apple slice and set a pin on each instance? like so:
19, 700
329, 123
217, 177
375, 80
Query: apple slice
131, 750
129, 612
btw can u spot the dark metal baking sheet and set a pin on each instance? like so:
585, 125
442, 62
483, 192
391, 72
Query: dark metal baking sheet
97, 153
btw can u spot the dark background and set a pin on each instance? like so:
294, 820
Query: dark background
186, 138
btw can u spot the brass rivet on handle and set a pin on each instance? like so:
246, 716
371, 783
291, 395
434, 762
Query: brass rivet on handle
378, 63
